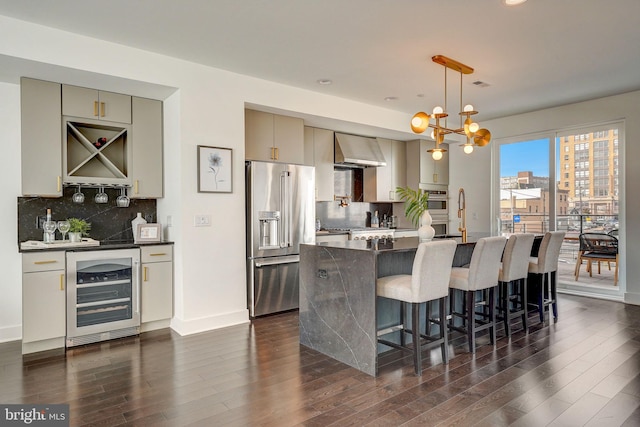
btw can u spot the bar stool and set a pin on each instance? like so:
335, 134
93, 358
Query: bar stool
512, 280
481, 274
428, 281
542, 266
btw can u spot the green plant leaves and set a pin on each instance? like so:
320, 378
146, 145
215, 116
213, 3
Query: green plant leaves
415, 203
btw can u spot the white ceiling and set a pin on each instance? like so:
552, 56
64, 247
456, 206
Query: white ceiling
537, 55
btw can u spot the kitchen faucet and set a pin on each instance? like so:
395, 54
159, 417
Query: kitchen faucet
462, 214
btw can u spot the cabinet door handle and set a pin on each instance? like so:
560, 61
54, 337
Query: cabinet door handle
277, 153
95, 108
51, 261
102, 109
59, 183
62, 282
158, 254
135, 187
272, 154
144, 274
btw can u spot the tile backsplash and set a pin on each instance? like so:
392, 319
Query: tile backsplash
108, 222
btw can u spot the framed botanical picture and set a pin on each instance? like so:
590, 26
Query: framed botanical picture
214, 170
147, 233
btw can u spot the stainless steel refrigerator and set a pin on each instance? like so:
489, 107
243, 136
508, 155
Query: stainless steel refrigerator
280, 204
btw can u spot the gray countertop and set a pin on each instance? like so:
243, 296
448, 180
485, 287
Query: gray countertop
106, 245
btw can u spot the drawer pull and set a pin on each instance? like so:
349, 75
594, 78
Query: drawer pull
95, 108
45, 262
102, 109
158, 254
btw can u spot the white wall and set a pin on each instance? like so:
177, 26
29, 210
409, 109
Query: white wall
10, 289
206, 107
474, 172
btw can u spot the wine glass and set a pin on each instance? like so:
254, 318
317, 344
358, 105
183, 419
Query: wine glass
63, 226
78, 196
101, 196
122, 201
50, 229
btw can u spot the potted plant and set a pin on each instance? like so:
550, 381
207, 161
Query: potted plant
416, 210
78, 228
415, 203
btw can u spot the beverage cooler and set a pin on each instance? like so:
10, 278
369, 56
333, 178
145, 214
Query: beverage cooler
102, 295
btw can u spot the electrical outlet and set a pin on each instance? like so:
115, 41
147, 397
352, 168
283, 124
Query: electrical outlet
202, 220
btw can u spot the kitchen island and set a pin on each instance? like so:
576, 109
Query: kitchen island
338, 315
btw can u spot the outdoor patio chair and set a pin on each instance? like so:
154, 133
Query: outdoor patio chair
598, 247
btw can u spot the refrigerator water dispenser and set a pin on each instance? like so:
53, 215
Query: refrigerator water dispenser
269, 221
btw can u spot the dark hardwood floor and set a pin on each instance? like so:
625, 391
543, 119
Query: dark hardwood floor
584, 370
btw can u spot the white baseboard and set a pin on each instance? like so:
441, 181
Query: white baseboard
193, 326
632, 298
11, 333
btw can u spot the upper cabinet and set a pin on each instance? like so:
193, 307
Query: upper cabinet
272, 137
147, 154
380, 183
96, 104
41, 138
318, 152
422, 169
73, 135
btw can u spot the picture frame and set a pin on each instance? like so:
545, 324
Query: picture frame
148, 233
215, 169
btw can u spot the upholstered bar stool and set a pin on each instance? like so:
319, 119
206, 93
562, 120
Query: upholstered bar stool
428, 281
542, 266
512, 280
481, 274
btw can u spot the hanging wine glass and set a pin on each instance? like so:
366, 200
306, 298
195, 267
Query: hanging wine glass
78, 196
101, 196
122, 201
64, 226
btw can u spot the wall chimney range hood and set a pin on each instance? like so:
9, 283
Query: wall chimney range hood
357, 151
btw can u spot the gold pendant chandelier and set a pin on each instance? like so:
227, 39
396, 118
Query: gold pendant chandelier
469, 129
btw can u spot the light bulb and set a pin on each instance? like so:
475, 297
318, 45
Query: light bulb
437, 110
420, 122
468, 148
437, 155
473, 127
467, 108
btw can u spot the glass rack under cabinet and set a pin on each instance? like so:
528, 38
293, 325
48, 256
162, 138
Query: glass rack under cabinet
96, 153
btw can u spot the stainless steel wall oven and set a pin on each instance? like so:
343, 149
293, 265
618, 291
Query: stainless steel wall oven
102, 295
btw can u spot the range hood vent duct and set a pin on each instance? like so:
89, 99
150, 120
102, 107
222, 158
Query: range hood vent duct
358, 151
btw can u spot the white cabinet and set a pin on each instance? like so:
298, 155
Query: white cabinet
272, 137
380, 183
147, 149
41, 157
156, 289
95, 104
318, 152
43, 301
421, 168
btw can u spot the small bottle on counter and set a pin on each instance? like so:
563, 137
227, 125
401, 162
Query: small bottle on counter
375, 221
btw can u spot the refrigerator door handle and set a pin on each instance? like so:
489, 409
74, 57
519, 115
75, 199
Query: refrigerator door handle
277, 261
285, 208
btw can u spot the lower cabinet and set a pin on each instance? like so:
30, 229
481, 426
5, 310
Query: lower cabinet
44, 295
156, 286
43, 301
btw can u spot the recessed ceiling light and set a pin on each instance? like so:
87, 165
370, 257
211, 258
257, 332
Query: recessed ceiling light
420, 95
325, 82
513, 2
391, 98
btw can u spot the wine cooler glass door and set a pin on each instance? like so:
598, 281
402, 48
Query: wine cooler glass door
102, 294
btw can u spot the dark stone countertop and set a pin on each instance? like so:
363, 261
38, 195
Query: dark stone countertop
106, 245
383, 245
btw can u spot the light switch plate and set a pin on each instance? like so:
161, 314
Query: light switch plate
202, 220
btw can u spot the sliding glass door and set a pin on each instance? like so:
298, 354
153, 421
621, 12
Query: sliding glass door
568, 181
